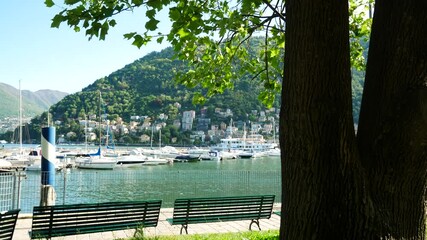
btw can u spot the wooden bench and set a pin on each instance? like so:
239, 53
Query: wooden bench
218, 209
63, 220
8, 223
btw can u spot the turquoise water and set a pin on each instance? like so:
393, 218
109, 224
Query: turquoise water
165, 182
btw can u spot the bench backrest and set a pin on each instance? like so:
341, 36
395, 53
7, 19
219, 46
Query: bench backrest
8, 223
62, 220
197, 210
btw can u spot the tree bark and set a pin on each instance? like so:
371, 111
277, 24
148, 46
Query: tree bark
392, 133
322, 186
334, 188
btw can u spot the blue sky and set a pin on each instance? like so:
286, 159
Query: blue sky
61, 59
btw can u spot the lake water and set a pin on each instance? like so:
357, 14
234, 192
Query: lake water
165, 182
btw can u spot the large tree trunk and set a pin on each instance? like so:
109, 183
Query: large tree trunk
323, 186
392, 134
323, 193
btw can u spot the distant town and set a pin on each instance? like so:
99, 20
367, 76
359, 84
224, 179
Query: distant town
146, 129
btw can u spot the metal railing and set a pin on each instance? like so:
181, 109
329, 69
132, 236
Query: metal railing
90, 186
10, 189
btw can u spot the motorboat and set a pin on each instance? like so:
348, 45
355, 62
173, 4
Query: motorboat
254, 142
251, 154
135, 158
186, 158
5, 164
211, 156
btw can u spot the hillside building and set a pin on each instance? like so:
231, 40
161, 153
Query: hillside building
187, 120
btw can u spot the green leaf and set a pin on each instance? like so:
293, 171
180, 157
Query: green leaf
112, 22
56, 21
71, 2
151, 24
138, 41
160, 39
104, 30
150, 13
155, 4
174, 14
129, 35
182, 33
49, 3
137, 2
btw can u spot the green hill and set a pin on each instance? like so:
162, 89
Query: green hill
146, 87
33, 103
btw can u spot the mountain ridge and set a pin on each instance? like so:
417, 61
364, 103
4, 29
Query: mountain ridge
33, 103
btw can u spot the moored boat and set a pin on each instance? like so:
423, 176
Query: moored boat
211, 156
186, 158
95, 162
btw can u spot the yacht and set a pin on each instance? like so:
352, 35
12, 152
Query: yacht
253, 143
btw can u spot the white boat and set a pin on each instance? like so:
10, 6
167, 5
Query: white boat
5, 164
166, 152
251, 154
135, 158
36, 165
275, 152
18, 159
96, 162
229, 154
211, 156
154, 160
196, 152
252, 143
131, 159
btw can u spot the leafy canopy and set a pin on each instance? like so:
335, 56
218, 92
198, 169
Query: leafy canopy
210, 35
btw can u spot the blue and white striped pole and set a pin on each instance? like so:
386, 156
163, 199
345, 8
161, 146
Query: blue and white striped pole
48, 195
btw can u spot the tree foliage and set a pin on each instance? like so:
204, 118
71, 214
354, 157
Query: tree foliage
336, 184
212, 36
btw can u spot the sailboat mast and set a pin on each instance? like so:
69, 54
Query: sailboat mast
86, 120
160, 138
20, 118
100, 120
151, 142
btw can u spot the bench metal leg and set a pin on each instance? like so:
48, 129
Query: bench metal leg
256, 221
184, 226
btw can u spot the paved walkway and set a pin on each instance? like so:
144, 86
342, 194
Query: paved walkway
23, 227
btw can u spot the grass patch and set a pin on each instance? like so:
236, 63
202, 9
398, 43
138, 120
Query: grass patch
260, 235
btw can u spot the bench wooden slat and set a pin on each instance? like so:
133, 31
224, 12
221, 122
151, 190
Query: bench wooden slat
72, 219
7, 223
200, 210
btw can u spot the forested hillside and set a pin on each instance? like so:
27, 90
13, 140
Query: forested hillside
146, 87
